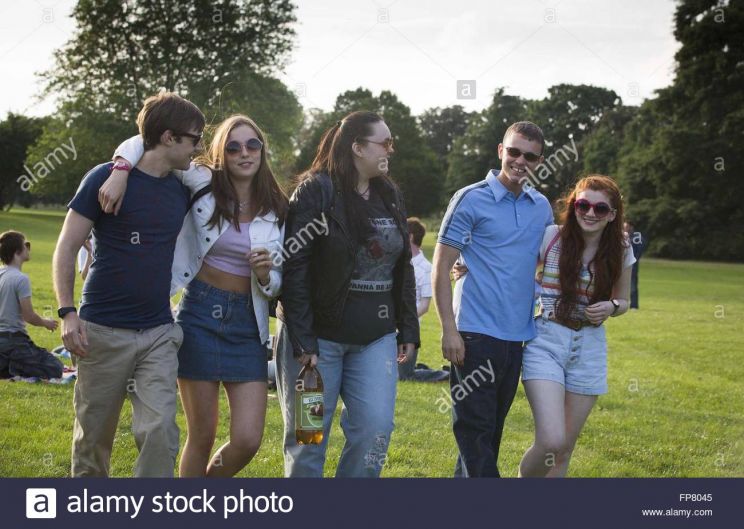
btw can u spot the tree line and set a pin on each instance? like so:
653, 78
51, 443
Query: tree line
675, 156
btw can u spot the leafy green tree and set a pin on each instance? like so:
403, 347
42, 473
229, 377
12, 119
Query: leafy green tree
73, 142
221, 55
272, 106
441, 126
413, 165
475, 152
567, 117
17, 133
602, 147
123, 52
681, 162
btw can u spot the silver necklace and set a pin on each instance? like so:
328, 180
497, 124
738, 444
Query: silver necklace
243, 205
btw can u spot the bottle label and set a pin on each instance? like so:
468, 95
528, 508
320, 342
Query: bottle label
309, 410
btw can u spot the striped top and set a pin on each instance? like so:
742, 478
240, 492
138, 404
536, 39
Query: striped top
550, 253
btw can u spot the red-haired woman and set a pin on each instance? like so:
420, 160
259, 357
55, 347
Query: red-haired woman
587, 264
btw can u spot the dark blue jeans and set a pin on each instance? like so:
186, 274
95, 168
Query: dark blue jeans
482, 392
634, 286
20, 356
409, 371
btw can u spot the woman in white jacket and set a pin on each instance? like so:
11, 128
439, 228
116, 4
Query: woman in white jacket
228, 260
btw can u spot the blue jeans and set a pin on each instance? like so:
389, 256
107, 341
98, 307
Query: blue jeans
365, 377
482, 392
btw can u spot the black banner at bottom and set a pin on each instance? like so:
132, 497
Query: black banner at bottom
361, 504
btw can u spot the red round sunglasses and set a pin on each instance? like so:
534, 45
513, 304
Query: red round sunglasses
601, 209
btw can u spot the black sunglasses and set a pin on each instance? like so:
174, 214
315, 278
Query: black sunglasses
196, 138
516, 153
28, 245
235, 147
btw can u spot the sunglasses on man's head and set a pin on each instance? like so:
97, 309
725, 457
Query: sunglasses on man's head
601, 209
516, 153
195, 138
235, 147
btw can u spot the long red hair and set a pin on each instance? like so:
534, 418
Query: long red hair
606, 266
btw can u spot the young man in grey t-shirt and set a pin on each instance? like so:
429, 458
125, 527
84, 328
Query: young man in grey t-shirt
18, 354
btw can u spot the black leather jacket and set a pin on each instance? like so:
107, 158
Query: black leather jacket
320, 256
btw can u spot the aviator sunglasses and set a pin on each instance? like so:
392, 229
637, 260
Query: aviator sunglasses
387, 143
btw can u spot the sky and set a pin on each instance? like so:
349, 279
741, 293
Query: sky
433, 53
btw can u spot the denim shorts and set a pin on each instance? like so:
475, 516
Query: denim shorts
220, 336
576, 359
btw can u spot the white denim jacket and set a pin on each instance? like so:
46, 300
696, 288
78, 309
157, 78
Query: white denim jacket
195, 238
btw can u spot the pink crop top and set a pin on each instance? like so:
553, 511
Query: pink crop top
230, 251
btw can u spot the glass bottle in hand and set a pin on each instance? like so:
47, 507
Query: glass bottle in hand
309, 406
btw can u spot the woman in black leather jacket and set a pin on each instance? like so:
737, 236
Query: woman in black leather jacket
349, 296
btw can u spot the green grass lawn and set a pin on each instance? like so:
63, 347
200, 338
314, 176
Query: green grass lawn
674, 408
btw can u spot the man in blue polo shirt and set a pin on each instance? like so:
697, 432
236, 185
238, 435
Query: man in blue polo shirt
495, 227
125, 338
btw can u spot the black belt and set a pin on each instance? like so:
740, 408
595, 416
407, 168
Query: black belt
14, 334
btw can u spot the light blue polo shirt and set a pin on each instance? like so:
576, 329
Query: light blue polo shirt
499, 238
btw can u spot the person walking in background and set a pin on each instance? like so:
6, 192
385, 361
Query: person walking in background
587, 262
422, 271
85, 257
496, 225
19, 355
638, 243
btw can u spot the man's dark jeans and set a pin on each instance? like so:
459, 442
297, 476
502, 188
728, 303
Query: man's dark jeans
482, 392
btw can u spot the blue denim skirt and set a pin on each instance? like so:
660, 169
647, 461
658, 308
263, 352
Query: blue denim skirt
221, 340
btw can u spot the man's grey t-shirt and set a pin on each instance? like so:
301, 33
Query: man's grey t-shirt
14, 286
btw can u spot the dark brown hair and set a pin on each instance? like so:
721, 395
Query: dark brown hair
335, 158
266, 194
527, 129
11, 242
167, 111
417, 229
606, 266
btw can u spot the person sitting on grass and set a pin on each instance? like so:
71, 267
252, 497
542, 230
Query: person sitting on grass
422, 271
19, 355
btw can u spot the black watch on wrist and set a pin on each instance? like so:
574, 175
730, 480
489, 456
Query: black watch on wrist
616, 304
64, 311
